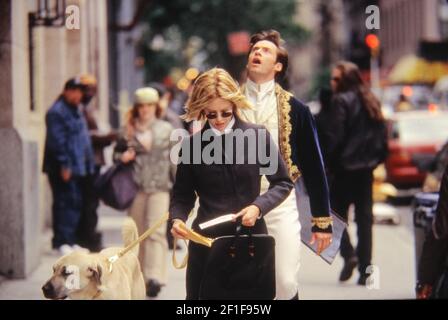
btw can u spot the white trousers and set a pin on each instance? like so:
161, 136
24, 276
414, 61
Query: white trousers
283, 224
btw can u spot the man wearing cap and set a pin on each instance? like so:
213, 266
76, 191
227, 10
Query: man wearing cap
87, 235
68, 157
145, 143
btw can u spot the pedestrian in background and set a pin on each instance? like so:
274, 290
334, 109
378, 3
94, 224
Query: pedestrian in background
87, 233
360, 144
432, 279
145, 142
403, 104
166, 111
68, 158
167, 114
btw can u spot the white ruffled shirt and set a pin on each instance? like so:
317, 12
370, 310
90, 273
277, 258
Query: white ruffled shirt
263, 98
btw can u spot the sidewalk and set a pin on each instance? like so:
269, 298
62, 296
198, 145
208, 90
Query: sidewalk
393, 254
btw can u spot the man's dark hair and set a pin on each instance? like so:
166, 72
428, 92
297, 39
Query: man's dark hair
274, 37
74, 83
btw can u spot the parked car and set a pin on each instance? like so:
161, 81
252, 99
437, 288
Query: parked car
411, 133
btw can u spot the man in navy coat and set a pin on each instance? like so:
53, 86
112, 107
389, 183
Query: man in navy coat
292, 126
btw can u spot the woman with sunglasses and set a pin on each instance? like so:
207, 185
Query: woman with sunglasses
225, 186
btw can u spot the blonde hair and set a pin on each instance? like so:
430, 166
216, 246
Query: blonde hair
215, 83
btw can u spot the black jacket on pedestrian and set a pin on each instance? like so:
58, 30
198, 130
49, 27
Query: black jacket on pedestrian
227, 188
357, 141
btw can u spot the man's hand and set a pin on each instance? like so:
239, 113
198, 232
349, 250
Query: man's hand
66, 174
178, 229
323, 240
250, 215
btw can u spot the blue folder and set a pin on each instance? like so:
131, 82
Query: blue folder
339, 225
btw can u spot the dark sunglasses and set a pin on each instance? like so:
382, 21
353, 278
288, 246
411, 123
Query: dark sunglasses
214, 115
336, 79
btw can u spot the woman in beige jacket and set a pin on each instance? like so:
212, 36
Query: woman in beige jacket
145, 142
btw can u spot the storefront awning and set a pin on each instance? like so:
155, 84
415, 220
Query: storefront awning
412, 69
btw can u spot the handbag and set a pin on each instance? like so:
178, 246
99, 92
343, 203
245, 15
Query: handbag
240, 267
116, 187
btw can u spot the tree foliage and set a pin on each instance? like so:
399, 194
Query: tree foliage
180, 21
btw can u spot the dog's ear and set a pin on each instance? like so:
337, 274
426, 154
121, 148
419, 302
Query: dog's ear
97, 272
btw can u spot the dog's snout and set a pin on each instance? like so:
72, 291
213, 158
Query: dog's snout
48, 289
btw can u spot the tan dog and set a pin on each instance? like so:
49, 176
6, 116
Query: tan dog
83, 276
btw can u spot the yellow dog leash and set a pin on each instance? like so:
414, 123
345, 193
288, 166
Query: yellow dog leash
191, 235
145, 235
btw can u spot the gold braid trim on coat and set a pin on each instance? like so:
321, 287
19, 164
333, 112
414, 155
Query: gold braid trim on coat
285, 128
322, 222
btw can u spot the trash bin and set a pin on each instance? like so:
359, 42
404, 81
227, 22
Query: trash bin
424, 209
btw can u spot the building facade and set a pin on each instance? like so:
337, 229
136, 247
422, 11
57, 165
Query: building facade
405, 22
36, 60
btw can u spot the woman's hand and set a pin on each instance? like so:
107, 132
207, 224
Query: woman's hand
250, 215
178, 229
128, 156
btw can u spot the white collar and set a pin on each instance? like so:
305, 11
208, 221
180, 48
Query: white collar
226, 130
260, 89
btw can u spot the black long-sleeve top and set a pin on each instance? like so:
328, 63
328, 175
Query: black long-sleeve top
228, 188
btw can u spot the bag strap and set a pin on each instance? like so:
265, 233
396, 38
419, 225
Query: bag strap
238, 231
185, 259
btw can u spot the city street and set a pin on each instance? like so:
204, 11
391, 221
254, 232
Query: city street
393, 254
99, 99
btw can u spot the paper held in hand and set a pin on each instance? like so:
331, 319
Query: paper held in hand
219, 220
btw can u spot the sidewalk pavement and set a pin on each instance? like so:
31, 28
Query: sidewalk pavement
393, 255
